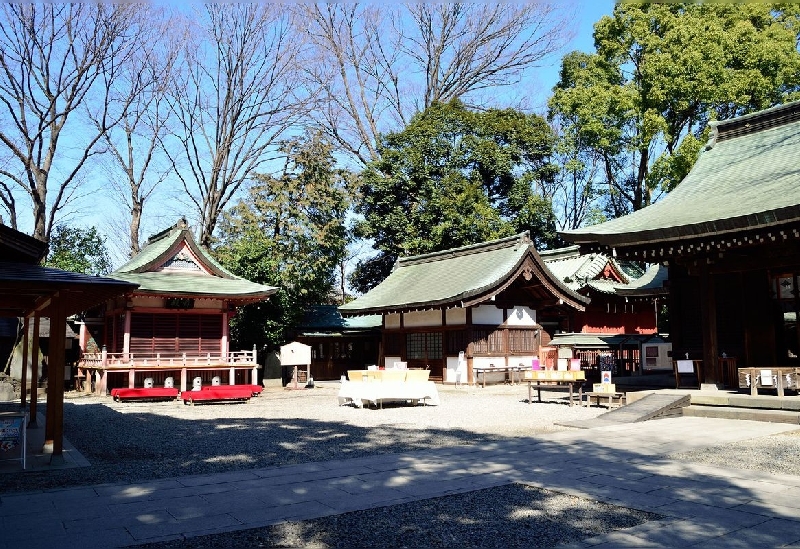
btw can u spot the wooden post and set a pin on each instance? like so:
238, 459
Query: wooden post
32, 423
54, 428
126, 337
708, 320
224, 344
24, 380
254, 375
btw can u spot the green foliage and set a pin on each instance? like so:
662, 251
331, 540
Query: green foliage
454, 177
289, 232
661, 71
78, 250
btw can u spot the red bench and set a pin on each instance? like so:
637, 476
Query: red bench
151, 393
255, 390
217, 394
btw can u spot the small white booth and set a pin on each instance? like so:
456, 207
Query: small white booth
295, 355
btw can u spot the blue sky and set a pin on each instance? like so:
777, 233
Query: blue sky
587, 13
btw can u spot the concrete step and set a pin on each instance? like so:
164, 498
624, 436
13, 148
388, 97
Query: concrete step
752, 414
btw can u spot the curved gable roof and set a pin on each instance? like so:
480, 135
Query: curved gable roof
460, 277
746, 178
160, 248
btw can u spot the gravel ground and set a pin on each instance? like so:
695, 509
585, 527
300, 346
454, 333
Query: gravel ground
134, 441
130, 442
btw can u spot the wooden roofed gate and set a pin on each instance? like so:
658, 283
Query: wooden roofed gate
31, 292
174, 327
729, 234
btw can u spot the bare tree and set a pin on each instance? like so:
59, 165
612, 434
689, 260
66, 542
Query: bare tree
377, 65
53, 58
239, 93
138, 99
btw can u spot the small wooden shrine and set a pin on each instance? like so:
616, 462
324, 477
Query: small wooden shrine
175, 325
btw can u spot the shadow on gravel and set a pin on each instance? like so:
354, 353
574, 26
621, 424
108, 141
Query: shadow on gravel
513, 515
154, 446
140, 446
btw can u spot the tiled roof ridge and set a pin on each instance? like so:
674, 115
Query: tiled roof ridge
501, 243
559, 254
181, 225
754, 122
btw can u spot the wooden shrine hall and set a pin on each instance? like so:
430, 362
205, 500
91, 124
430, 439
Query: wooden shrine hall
173, 328
730, 236
469, 309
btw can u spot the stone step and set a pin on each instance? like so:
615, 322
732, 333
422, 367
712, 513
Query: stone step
752, 414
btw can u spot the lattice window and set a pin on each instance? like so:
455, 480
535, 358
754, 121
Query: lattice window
424, 346
434, 345
488, 341
522, 341
182, 261
415, 346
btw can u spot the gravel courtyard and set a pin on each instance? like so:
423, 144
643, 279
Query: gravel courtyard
130, 442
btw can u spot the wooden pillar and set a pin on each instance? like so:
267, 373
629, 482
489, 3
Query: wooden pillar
24, 377
710, 373
126, 337
470, 347
34, 373
54, 428
224, 344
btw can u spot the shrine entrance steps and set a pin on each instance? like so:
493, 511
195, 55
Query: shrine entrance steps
736, 412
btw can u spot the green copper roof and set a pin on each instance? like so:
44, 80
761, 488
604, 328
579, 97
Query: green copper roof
327, 318
747, 178
603, 341
650, 283
160, 248
582, 272
452, 277
179, 284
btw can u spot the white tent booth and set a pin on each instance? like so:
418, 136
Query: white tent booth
296, 355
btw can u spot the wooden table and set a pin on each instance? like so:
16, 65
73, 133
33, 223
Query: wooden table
619, 397
508, 369
558, 383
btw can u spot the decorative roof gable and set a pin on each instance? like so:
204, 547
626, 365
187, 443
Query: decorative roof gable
462, 277
174, 249
171, 263
576, 269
